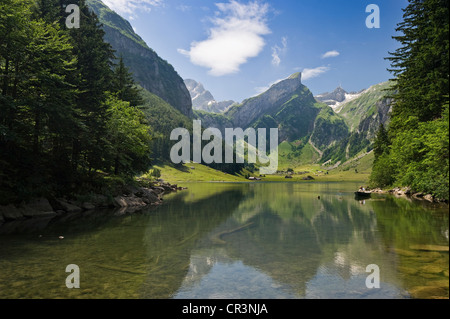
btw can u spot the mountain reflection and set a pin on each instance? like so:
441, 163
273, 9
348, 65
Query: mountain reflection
268, 240
282, 241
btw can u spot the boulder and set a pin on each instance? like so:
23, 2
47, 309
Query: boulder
148, 195
100, 200
59, 204
30, 212
130, 190
167, 188
120, 201
40, 205
308, 178
418, 195
88, 206
10, 212
429, 198
37, 208
132, 201
136, 202
158, 190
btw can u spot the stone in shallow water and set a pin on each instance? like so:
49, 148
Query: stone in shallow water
408, 270
439, 283
429, 247
405, 253
432, 269
423, 259
427, 292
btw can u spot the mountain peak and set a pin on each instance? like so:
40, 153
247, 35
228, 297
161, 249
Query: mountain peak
297, 75
203, 100
337, 96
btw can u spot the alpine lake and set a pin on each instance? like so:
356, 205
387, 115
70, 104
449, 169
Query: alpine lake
233, 241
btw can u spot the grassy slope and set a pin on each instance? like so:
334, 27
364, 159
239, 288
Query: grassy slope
200, 173
357, 170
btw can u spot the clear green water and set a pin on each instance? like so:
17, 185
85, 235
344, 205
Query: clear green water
274, 240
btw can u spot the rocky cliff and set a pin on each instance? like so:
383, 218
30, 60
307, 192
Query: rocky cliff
289, 106
203, 100
331, 98
149, 70
268, 102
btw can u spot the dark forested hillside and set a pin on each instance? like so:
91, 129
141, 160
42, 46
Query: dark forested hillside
415, 149
66, 123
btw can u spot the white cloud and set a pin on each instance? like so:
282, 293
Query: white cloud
312, 73
184, 8
277, 51
130, 6
330, 54
237, 35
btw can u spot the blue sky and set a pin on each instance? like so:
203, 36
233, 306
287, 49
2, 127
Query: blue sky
238, 48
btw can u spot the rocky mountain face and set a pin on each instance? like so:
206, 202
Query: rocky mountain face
289, 106
203, 100
363, 115
371, 105
338, 95
268, 102
335, 132
149, 70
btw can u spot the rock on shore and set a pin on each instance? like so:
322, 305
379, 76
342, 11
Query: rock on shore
406, 192
131, 197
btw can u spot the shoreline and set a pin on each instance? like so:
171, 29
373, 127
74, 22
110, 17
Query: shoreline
407, 193
130, 200
133, 199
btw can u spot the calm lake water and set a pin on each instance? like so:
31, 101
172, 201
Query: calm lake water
268, 240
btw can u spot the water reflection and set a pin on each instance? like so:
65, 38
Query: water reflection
310, 247
236, 241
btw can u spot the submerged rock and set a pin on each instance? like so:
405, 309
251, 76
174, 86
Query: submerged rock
430, 248
428, 292
10, 212
431, 269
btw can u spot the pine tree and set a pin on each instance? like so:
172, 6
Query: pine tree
381, 143
124, 85
421, 64
414, 152
93, 79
